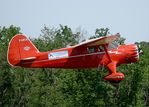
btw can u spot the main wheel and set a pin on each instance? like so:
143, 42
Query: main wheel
115, 77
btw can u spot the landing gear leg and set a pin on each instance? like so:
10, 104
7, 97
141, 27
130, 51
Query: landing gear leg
113, 76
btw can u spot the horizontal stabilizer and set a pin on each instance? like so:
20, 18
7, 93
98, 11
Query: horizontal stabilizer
28, 59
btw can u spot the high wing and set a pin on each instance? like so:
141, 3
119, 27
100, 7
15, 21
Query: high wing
99, 41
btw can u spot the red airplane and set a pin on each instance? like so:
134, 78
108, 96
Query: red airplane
89, 54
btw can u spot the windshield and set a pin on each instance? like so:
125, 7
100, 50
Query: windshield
113, 45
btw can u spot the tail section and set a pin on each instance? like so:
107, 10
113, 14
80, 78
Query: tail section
20, 48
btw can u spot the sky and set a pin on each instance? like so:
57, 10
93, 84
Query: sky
128, 17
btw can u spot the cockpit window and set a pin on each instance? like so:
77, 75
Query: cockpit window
101, 48
91, 49
113, 45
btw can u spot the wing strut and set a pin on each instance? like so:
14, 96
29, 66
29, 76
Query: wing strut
106, 50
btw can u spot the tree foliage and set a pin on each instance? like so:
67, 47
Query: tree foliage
46, 87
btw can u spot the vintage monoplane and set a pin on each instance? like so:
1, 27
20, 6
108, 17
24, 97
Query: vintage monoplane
89, 54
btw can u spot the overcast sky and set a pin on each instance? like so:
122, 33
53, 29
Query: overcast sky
128, 17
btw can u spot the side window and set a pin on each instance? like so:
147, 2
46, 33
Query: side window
91, 49
101, 48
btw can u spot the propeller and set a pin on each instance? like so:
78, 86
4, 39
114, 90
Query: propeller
140, 49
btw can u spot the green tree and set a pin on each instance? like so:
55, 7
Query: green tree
49, 82
48, 87
6, 76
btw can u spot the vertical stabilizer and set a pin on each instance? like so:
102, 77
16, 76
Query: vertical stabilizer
20, 48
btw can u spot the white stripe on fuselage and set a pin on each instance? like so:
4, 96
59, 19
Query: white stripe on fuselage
75, 56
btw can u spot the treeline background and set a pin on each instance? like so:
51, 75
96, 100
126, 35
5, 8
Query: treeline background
47, 87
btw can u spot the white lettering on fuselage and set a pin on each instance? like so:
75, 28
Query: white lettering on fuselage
22, 40
115, 52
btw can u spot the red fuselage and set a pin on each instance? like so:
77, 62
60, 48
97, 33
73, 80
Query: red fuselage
83, 58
